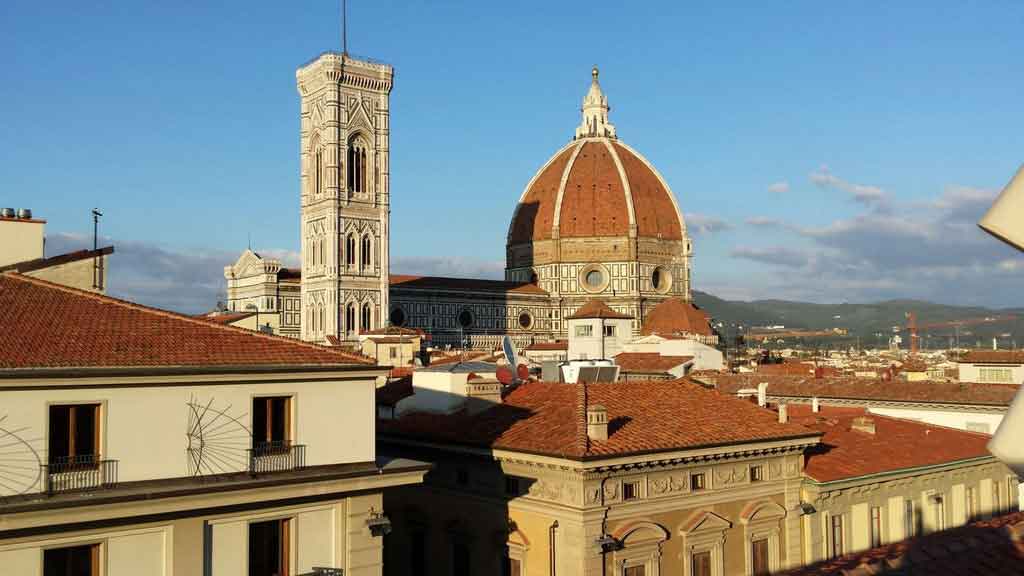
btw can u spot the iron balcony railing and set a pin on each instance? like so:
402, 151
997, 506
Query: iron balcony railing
276, 456
67, 473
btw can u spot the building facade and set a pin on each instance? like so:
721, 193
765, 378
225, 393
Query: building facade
159, 444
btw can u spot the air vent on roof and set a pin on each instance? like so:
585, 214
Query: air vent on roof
24, 213
7, 212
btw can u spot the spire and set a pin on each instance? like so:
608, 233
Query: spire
595, 112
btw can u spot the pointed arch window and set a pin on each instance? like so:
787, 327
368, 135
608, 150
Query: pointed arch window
318, 168
350, 249
364, 318
356, 165
350, 318
365, 252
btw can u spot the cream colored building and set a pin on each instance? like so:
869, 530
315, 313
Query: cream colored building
144, 442
22, 249
265, 293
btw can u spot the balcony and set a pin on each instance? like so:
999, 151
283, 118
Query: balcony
83, 472
276, 456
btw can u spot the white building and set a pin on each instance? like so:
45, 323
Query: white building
139, 441
596, 332
992, 366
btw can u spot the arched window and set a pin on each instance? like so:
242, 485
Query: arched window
321, 251
318, 171
350, 248
365, 252
350, 318
356, 168
323, 319
364, 318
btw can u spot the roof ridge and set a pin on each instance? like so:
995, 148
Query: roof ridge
582, 437
174, 315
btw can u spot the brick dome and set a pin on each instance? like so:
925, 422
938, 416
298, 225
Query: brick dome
596, 187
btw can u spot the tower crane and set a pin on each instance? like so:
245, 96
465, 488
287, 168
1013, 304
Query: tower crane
913, 327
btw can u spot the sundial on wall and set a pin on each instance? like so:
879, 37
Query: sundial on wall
20, 465
218, 439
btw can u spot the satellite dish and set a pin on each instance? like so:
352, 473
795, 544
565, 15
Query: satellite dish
510, 352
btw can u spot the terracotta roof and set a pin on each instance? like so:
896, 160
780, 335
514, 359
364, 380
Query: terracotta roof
595, 308
872, 389
52, 326
41, 263
392, 340
796, 369
227, 318
913, 364
393, 330
993, 357
596, 188
556, 345
645, 417
897, 444
983, 548
649, 361
676, 316
463, 284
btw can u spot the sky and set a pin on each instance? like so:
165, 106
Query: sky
828, 152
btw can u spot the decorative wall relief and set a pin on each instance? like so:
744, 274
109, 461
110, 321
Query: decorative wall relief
730, 475
20, 464
666, 484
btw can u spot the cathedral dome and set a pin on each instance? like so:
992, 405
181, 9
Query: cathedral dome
596, 186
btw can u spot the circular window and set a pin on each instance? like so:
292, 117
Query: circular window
661, 279
397, 317
525, 321
465, 318
594, 278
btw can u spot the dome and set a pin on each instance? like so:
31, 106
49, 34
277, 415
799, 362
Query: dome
596, 186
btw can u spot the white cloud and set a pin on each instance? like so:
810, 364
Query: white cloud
702, 224
779, 187
776, 255
455, 266
823, 178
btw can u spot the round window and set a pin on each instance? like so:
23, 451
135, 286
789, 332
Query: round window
397, 317
594, 278
465, 319
656, 279
525, 320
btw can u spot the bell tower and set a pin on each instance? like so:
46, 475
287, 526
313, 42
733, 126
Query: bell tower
345, 195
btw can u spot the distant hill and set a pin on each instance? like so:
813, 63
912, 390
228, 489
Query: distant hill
867, 321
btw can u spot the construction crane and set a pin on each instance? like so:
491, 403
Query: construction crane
913, 327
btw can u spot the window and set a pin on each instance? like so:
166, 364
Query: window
460, 557
269, 548
971, 504
397, 317
350, 249
465, 318
357, 165
393, 352
700, 563
995, 375
1011, 490
74, 436
697, 481
364, 318
586, 330
759, 557
876, 527
911, 518
318, 171
634, 571
365, 252
609, 331
72, 561
271, 424
630, 490
350, 318
525, 321
756, 473
997, 498
939, 509
837, 535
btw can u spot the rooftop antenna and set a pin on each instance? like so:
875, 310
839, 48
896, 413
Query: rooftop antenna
344, 27
95, 245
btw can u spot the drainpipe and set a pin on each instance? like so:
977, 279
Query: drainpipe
551, 545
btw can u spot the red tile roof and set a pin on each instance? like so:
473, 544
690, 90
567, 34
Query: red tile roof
796, 369
595, 308
676, 316
393, 330
983, 548
872, 389
897, 444
993, 357
51, 326
541, 346
645, 416
649, 361
463, 284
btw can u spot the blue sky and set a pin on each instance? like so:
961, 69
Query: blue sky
821, 152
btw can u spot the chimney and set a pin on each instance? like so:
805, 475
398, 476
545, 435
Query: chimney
783, 414
995, 343
864, 424
762, 394
815, 405
481, 394
597, 422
